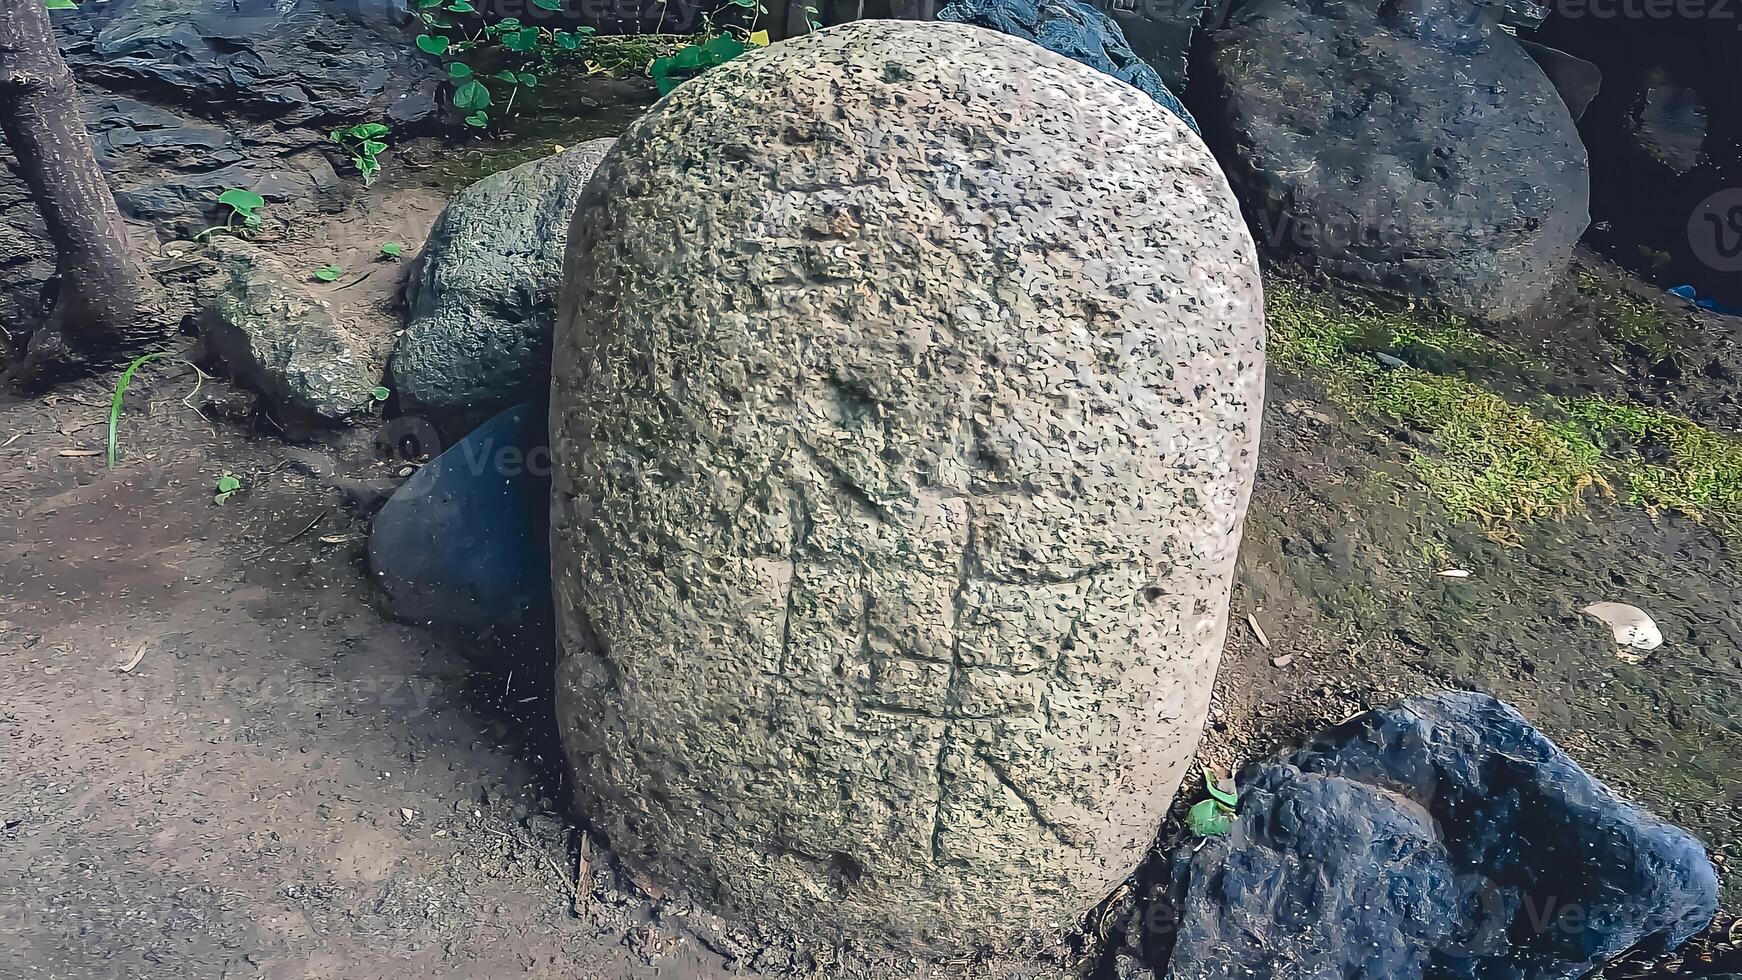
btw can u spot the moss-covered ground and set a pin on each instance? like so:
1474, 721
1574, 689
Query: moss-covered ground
1484, 456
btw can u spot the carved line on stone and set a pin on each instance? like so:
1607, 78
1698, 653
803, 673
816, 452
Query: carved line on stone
952, 698
1028, 801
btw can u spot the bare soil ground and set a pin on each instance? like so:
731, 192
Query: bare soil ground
219, 758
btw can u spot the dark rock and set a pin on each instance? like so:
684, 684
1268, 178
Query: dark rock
1670, 126
274, 335
1576, 79
1443, 837
483, 292
154, 74
1158, 33
1411, 147
1665, 140
1075, 30
1127, 967
463, 541
298, 62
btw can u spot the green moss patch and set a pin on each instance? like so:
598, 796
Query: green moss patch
1484, 457
1627, 319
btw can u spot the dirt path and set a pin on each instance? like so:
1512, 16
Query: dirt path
285, 784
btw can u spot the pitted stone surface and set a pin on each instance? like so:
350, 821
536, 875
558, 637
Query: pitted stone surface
905, 400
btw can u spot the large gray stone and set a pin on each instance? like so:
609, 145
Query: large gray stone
483, 293
271, 333
902, 441
1412, 147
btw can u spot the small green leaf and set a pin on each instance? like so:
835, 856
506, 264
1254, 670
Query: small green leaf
1222, 796
567, 41
368, 131
328, 273
228, 484
1209, 819
60, 4
508, 24
372, 147
472, 94
461, 7
508, 76
381, 394
459, 70
548, 4
244, 202
528, 79
478, 119
432, 44
523, 40
725, 47
392, 249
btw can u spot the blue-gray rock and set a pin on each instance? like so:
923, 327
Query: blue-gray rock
1441, 838
1075, 30
482, 294
463, 541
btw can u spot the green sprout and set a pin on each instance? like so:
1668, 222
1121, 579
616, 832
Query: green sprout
1213, 817
244, 207
120, 390
365, 142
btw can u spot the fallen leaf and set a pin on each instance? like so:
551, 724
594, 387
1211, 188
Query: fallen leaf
1631, 625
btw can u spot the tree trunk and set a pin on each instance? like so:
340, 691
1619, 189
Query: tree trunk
109, 308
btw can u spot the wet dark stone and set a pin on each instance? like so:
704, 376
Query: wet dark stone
464, 541
1410, 147
1576, 79
1443, 837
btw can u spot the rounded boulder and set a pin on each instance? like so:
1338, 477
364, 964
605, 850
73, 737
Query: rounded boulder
905, 403
1415, 148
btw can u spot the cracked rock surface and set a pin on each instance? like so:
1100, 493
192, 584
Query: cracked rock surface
905, 403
